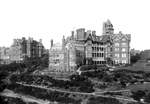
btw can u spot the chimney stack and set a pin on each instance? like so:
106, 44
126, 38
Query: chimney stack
40, 40
72, 35
63, 43
51, 42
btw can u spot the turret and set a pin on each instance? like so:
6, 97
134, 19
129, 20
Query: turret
107, 28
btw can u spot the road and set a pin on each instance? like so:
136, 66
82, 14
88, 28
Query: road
82, 93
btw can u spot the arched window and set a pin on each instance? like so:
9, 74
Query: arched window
102, 55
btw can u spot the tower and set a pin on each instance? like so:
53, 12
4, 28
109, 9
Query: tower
107, 28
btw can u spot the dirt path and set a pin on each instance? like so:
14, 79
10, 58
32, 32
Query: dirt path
25, 98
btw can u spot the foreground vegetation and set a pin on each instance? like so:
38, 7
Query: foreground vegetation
61, 97
76, 82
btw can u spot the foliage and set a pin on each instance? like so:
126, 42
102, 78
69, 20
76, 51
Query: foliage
145, 54
28, 65
43, 94
138, 95
79, 82
135, 58
147, 98
9, 100
103, 100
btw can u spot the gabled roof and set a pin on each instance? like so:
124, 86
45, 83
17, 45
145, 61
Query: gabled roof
105, 38
128, 36
40, 44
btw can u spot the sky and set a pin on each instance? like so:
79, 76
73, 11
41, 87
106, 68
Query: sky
51, 19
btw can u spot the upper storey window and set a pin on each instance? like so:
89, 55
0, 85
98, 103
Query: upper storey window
124, 44
116, 39
123, 39
116, 44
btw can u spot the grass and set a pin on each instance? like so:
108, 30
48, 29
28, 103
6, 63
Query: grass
136, 67
137, 87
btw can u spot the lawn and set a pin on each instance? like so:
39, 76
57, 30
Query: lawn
136, 67
136, 87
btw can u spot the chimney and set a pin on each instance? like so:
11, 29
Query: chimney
23, 38
72, 35
93, 32
40, 40
63, 43
104, 29
80, 34
51, 42
15, 40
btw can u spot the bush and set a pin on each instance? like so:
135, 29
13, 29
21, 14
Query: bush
103, 100
43, 94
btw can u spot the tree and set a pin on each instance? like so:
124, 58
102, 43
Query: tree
147, 98
145, 54
135, 58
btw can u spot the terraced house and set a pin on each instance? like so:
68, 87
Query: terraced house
85, 48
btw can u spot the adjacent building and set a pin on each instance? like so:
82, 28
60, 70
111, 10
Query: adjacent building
4, 55
87, 48
133, 52
22, 48
120, 44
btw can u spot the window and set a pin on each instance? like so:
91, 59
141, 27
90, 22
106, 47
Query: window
117, 55
123, 49
123, 39
123, 44
116, 61
123, 55
111, 49
116, 44
92, 54
116, 39
124, 61
116, 49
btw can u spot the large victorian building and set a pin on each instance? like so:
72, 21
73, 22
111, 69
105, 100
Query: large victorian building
86, 48
22, 48
119, 51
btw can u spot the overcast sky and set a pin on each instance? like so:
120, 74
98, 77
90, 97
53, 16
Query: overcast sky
51, 19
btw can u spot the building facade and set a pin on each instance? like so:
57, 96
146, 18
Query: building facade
120, 45
82, 48
87, 48
22, 48
4, 55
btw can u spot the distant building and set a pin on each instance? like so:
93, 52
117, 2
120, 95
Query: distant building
134, 52
22, 48
4, 55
